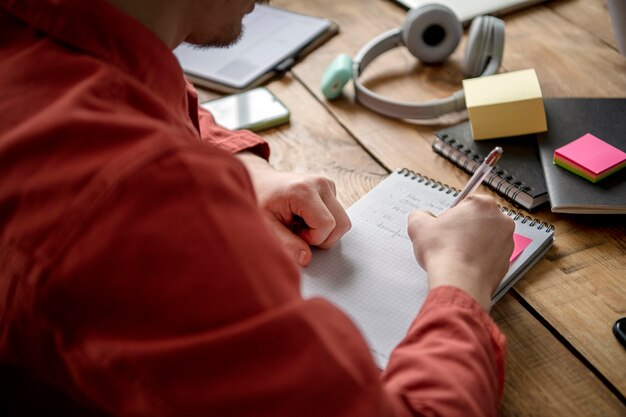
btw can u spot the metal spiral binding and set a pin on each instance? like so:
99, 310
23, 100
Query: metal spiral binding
517, 216
524, 219
511, 186
429, 181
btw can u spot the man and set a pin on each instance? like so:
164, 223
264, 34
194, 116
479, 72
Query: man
140, 275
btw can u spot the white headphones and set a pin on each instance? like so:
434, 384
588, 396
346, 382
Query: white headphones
431, 33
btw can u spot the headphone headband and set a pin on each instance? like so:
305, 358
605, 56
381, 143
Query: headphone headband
425, 33
390, 107
376, 47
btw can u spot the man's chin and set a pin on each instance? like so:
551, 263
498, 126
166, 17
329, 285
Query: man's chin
251, 8
211, 42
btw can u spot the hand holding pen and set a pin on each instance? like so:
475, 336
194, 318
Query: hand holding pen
479, 175
479, 235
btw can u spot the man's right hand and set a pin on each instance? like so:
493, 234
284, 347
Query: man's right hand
467, 247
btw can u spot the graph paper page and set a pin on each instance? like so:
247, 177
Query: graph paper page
371, 273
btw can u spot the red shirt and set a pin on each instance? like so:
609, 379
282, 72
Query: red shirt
136, 274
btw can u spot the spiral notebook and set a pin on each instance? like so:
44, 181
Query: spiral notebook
371, 273
518, 176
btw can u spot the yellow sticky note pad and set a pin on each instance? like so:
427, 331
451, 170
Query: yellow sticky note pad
502, 105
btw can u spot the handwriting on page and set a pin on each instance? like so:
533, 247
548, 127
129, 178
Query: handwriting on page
394, 222
435, 203
393, 232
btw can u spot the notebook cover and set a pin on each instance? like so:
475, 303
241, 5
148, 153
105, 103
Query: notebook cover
568, 119
519, 169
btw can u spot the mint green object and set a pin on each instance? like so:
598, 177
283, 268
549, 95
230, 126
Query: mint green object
338, 73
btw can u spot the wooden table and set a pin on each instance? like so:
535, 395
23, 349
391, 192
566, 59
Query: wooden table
563, 359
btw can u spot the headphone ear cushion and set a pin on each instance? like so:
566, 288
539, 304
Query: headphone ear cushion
485, 46
336, 76
431, 32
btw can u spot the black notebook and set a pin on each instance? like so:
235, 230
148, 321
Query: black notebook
518, 176
568, 119
372, 274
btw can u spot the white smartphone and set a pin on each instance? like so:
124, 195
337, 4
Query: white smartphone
255, 110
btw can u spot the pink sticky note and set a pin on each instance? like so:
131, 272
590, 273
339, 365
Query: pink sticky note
521, 243
592, 154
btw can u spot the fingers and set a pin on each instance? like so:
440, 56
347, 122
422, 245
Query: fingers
326, 219
305, 205
418, 222
417, 218
295, 246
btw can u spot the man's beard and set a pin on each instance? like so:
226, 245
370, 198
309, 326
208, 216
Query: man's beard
227, 39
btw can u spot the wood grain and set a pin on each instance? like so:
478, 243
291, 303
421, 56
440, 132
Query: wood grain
543, 378
593, 16
315, 143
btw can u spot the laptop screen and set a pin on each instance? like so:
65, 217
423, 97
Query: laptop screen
466, 10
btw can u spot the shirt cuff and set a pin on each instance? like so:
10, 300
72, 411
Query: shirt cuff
229, 140
446, 296
244, 140
452, 296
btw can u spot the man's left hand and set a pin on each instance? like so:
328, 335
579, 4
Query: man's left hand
302, 209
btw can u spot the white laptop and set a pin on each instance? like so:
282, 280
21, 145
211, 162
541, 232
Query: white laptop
466, 10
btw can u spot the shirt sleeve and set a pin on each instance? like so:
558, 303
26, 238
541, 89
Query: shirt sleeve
176, 300
451, 363
228, 140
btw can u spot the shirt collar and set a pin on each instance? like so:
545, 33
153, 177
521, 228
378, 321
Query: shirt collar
97, 28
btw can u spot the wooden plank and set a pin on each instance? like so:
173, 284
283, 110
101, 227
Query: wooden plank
542, 377
315, 142
579, 287
592, 15
569, 60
